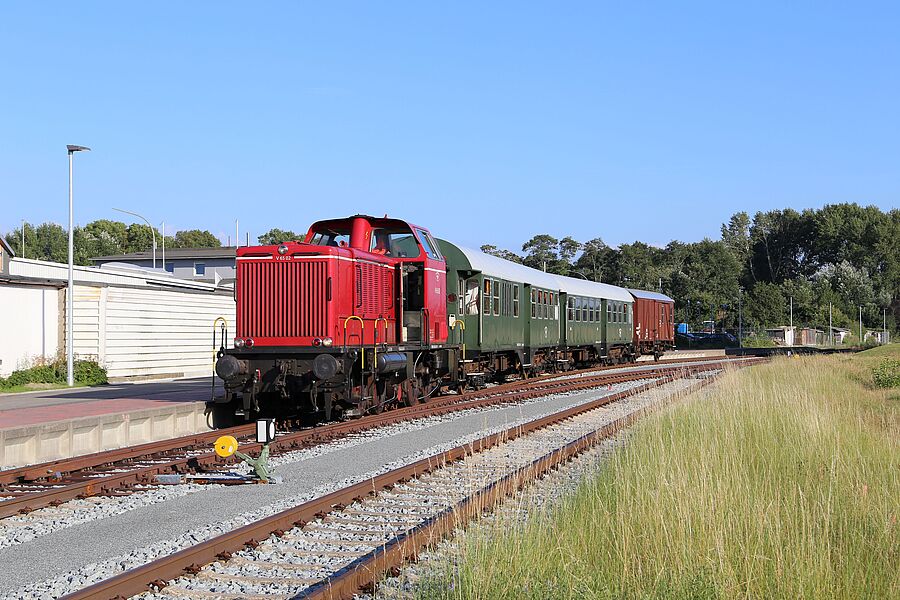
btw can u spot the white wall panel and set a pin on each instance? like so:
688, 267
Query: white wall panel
29, 325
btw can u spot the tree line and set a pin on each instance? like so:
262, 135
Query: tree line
50, 241
843, 255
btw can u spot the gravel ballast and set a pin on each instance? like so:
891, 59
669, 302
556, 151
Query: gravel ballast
69, 558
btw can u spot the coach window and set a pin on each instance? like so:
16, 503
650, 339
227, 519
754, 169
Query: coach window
487, 296
609, 312
516, 300
546, 308
472, 297
496, 298
553, 307
571, 305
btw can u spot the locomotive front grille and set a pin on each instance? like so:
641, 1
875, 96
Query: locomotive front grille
282, 299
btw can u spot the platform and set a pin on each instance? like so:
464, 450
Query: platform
48, 425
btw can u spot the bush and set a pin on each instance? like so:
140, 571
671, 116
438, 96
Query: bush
887, 373
87, 372
758, 341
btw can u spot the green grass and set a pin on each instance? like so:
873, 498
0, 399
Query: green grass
36, 387
781, 481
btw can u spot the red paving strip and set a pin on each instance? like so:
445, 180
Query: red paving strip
21, 417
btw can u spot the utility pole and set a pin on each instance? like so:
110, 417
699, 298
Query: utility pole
860, 326
740, 317
792, 320
23, 238
248, 239
70, 289
237, 236
163, 245
830, 328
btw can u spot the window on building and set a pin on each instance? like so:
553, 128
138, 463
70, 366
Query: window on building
170, 267
199, 268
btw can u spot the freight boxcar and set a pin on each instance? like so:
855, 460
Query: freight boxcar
654, 323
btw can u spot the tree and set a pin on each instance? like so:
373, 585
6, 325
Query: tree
278, 236
598, 261
47, 241
736, 237
765, 305
568, 248
196, 238
541, 252
140, 238
501, 253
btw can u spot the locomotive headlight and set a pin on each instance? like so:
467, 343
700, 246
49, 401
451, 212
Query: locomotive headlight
238, 342
282, 249
317, 342
327, 341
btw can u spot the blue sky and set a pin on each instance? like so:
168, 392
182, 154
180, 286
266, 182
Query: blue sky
486, 122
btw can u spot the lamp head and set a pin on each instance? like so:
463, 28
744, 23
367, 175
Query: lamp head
72, 148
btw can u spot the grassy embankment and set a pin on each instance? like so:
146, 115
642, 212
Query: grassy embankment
783, 481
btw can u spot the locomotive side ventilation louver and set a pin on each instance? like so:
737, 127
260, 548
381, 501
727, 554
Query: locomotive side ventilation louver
283, 299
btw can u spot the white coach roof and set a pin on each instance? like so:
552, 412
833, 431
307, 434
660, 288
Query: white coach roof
505, 269
583, 287
645, 295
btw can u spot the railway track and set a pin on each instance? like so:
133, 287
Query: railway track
117, 471
336, 545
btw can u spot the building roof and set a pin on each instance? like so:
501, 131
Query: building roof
175, 254
6, 247
645, 295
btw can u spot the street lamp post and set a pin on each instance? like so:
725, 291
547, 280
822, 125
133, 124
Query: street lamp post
152, 231
70, 290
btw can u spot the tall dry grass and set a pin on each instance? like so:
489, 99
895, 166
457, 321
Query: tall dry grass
781, 481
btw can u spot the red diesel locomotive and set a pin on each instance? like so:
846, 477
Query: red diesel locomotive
369, 312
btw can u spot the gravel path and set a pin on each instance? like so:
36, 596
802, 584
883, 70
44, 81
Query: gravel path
69, 558
283, 566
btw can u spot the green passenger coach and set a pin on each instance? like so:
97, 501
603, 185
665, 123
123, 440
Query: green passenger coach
515, 319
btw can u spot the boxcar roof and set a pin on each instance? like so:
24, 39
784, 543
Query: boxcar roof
645, 295
499, 267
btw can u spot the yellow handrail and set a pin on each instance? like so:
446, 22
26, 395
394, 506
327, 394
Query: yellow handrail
462, 337
362, 326
375, 341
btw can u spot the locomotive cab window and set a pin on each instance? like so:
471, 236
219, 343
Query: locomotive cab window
399, 244
428, 245
330, 238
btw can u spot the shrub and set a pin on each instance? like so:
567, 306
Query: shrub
887, 373
758, 341
87, 372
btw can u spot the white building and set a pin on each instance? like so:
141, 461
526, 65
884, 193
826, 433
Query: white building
136, 323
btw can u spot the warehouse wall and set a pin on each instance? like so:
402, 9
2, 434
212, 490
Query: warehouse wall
29, 325
140, 332
137, 324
